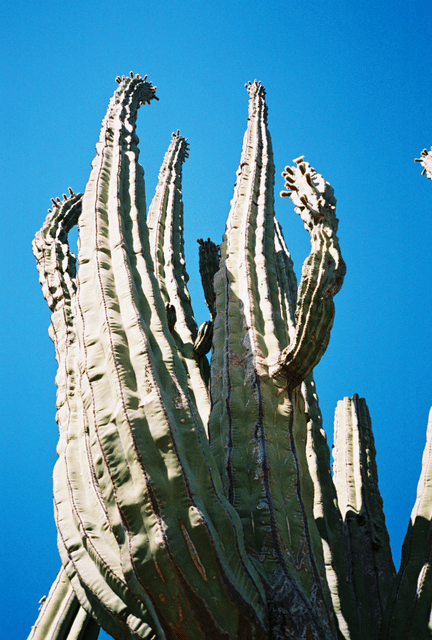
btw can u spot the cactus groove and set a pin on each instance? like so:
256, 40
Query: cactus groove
195, 500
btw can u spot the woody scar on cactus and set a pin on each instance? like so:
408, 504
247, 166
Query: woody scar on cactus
195, 500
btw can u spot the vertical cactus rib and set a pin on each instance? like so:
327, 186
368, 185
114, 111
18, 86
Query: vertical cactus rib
139, 506
322, 273
251, 424
165, 224
360, 503
408, 615
426, 162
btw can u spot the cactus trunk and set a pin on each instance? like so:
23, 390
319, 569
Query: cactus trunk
194, 500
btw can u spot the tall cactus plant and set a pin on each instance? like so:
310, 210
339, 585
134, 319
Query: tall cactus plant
194, 500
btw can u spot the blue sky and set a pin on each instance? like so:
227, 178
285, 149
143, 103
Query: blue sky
348, 85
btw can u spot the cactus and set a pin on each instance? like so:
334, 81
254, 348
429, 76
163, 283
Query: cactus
194, 500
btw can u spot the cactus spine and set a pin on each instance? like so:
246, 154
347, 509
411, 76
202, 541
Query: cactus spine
195, 501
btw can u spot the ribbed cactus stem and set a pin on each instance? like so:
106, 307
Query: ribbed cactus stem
165, 225
426, 162
261, 456
72, 472
366, 539
322, 273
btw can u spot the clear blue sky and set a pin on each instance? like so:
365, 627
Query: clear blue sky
348, 85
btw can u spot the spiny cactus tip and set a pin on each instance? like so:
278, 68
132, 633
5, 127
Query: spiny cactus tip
131, 74
118, 79
70, 191
299, 159
145, 77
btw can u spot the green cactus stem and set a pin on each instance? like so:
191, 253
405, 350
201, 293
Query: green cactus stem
257, 426
367, 543
192, 501
322, 273
165, 228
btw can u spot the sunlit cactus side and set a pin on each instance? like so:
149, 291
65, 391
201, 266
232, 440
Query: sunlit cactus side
196, 501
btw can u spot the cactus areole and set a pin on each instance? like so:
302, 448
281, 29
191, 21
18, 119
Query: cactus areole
194, 500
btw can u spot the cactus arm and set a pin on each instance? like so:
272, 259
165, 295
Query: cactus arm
360, 503
409, 611
322, 273
57, 274
165, 224
149, 454
426, 162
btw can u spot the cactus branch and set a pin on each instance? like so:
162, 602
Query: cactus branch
366, 538
322, 273
165, 227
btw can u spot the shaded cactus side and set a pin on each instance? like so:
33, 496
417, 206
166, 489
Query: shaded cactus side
195, 501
